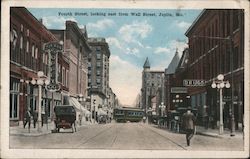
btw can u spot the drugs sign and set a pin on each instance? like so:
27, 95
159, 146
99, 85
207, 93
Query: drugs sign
194, 83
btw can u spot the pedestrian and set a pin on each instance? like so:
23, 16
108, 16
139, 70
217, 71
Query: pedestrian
188, 124
27, 118
35, 117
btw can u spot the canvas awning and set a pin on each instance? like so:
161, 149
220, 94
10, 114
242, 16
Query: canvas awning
73, 101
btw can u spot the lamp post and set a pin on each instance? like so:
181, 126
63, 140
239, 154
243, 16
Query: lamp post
41, 80
162, 107
220, 84
230, 40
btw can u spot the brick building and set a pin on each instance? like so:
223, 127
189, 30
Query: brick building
210, 54
76, 50
28, 35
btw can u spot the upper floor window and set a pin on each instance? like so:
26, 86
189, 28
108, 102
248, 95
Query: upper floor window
27, 46
36, 53
33, 50
21, 42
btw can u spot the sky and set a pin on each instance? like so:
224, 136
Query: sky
131, 39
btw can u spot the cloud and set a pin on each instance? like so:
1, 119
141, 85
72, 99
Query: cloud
57, 22
177, 44
136, 30
132, 51
114, 42
101, 25
160, 50
182, 25
125, 79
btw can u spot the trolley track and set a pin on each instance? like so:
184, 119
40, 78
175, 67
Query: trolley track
84, 141
165, 137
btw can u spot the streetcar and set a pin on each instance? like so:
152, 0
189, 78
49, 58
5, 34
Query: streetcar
128, 114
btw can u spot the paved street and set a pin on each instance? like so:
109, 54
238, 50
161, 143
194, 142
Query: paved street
130, 136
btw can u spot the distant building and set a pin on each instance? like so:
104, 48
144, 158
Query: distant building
171, 89
98, 74
152, 81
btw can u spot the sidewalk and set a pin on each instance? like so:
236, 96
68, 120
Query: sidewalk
215, 133
208, 132
20, 131
46, 129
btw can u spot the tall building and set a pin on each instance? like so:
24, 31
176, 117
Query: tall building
27, 57
98, 74
152, 81
76, 50
216, 46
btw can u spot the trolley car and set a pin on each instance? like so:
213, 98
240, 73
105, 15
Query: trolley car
126, 114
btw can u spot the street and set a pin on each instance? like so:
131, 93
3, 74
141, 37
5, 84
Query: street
124, 136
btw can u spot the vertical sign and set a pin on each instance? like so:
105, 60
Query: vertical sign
53, 48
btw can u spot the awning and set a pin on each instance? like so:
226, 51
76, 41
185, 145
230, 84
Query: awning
101, 112
73, 101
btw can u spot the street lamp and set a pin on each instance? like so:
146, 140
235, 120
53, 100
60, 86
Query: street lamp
41, 80
162, 107
230, 40
220, 84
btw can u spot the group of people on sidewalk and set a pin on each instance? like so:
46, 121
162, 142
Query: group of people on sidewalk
28, 118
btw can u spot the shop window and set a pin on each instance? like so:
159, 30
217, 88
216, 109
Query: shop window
236, 57
14, 98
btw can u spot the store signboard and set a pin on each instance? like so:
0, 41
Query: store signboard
194, 82
178, 90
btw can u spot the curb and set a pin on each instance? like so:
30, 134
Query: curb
209, 135
29, 134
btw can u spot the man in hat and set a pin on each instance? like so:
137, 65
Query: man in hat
188, 124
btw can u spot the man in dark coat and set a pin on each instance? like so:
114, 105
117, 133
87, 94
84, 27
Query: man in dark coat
188, 124
35, 117
27, 118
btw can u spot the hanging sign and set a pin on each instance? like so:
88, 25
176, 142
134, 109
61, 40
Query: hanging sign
53, 48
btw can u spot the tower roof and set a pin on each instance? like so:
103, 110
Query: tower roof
146, 64
173, 64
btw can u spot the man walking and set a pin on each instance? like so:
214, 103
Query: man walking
188, 124
35, 117
27, 119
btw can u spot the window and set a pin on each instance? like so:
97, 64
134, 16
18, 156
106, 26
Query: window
98, 64
236, 57
98, 72
21, 42
27, 46
36, 53
63, 75
33, 50
28, 32
66, 81
14, 98
98, 80
98, 56
98, 48
21, 28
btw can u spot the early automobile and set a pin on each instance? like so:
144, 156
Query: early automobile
65, 117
